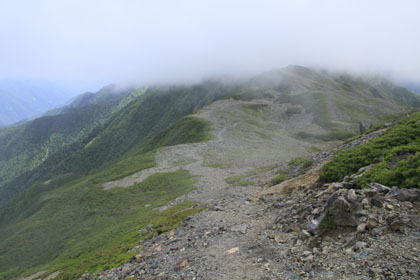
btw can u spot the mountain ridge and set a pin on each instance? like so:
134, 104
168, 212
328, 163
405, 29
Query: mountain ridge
263, 122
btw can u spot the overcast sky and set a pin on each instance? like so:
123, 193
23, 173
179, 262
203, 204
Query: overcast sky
90, 43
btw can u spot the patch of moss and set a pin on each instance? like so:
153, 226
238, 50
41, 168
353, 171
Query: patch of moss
293, 110
314, 149
278, 179
300, 161
244, 183
263, 135
331, 135
235, 179
327, 224
261, 169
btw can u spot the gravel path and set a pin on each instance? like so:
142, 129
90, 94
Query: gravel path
237, 146
235, 220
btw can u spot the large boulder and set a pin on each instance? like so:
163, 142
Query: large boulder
338, 212
341, 213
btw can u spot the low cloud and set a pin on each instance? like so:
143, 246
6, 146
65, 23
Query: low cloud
96, 42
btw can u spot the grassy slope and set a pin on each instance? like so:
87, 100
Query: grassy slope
26, 147
72, 224
186, 130
132, 126
401, 141
94, 228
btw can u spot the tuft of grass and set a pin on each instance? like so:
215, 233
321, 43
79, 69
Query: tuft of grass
186, 130
331, 135
300, 161
126, 166
293, 110
254, 109
245, 183
263, 135
352, 138
261, 169
238, 180
235, 179
278, 179
314, 149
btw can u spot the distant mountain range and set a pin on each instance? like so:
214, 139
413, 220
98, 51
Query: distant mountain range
413, 87
22, 99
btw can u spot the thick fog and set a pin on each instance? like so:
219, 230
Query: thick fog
96, 42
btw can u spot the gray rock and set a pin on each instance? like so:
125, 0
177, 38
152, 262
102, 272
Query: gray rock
348, 185
361, 227
217, 208
306, 253
379, 187
351, 195
331, 199
359, 245
337, 185
314, 225
340, 213
395, 223
147, 229
365, 202
308, 258
389, 207
372, 223
304, 234
394, 191
239, 228
374, 272
370, 192
377, 202
408, 195
360, 254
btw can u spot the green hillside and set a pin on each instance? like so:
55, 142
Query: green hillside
26, 147
396, 155
86, 231
123, 124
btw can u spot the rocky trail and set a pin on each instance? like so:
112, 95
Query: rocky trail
248, 232
223, 242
